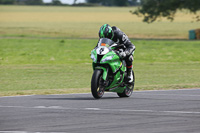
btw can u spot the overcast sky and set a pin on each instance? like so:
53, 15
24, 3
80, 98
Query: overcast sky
66, 1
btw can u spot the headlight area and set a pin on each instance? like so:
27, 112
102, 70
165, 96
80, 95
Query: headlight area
93, 58
107, 59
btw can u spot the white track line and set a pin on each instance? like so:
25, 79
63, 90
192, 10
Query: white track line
99, 109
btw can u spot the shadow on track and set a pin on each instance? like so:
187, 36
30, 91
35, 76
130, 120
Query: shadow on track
80, 98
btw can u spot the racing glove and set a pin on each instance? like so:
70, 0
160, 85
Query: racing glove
122, 54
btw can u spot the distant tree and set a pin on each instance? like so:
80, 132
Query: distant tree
33, 2
151, 10
7, 2
107, 2
134, 2
93, 1
75, 1
110, 2
56, 2
121, 2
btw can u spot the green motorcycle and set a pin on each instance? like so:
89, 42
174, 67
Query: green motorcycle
110, 72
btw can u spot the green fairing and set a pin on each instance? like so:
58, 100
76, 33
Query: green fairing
109, 70
116, 66
115, 63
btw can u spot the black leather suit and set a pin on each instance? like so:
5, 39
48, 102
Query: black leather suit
121, 38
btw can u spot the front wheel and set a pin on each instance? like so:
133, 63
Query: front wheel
97, 88
129, 89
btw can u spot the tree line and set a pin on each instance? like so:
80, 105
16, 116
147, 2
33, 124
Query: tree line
58, 2
114, 2
28, 2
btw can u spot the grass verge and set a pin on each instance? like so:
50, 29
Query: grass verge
54, 66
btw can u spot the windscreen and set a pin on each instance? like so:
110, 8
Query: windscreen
105, 42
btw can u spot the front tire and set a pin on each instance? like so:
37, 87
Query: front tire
129, 89
97, 88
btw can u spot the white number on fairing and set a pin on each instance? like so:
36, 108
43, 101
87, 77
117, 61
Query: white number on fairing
102, 50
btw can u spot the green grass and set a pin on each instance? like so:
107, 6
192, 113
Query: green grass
49, 66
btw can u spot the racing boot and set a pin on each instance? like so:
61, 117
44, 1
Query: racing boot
129, 75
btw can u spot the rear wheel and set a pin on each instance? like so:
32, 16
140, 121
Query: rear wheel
129, 89
97, 88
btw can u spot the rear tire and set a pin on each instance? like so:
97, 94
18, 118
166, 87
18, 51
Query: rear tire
129, 89
97, 88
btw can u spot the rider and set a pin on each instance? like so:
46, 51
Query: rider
115, 34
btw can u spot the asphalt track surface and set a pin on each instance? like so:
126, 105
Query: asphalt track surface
174, 111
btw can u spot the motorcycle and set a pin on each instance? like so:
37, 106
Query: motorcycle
109, 70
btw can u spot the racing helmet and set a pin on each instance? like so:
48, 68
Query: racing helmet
106, 31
